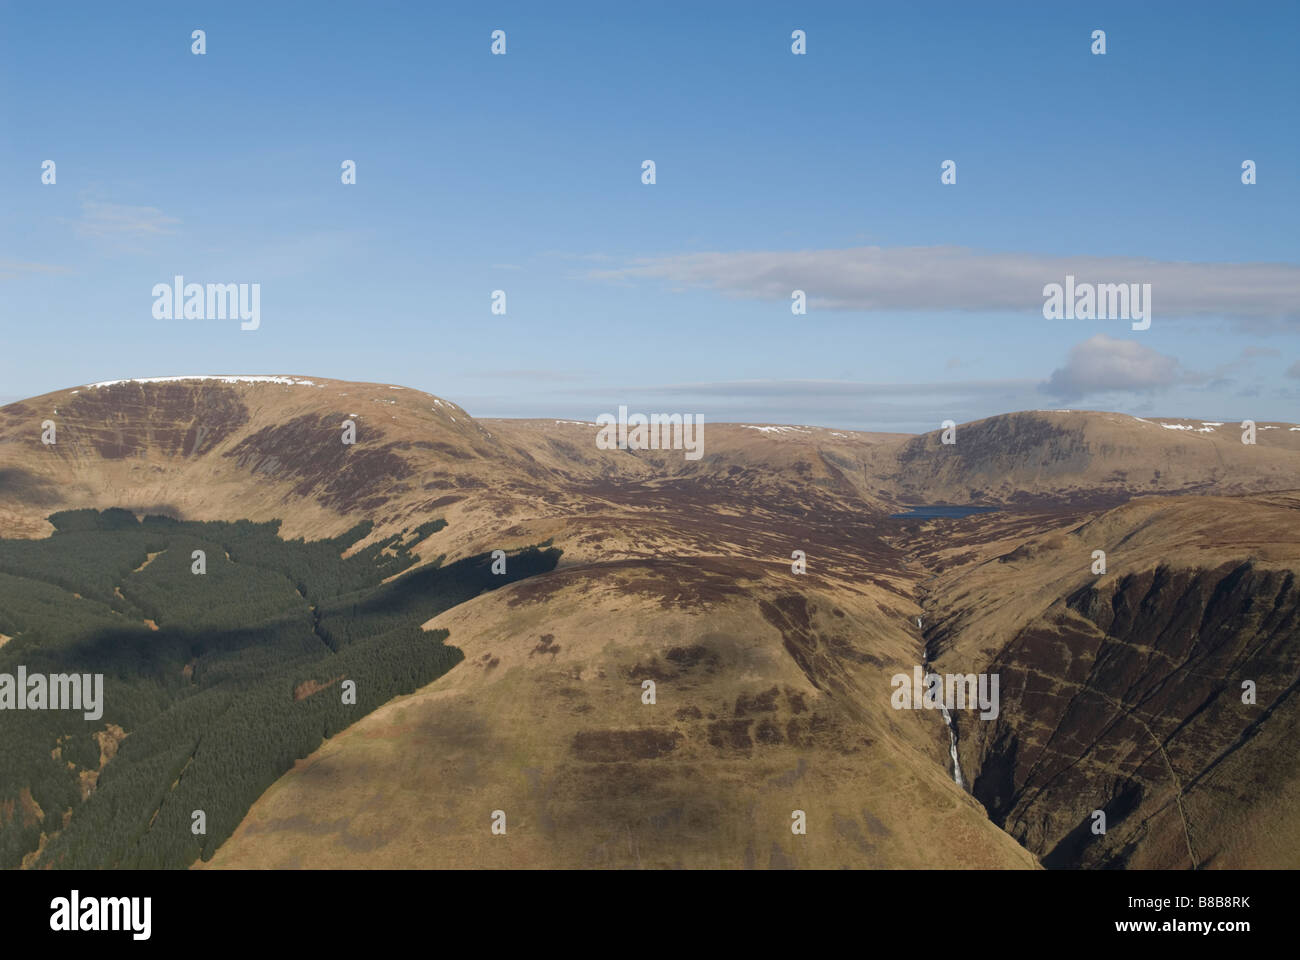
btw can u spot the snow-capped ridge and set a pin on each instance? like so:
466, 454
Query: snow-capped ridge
221, 378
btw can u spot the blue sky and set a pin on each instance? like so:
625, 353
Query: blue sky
774, 172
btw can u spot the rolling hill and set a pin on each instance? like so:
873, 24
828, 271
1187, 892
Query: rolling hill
772, 688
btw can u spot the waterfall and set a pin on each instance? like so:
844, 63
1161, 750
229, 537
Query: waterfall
947, 718
952, 747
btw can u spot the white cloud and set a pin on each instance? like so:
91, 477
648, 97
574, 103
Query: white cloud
828, 403
959, 278
9, 269
100, 220
1102, 364
549, 376
772, 388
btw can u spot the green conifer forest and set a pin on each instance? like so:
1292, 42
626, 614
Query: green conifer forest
218, 680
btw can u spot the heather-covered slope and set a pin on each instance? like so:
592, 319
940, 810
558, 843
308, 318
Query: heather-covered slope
213, 448
1077, 456
1123, 691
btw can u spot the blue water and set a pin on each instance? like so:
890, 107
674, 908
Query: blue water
941, 510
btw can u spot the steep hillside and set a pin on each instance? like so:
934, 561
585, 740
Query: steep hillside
256, 448
1072, 456
1123, 691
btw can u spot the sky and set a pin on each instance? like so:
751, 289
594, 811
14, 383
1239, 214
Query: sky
774, 172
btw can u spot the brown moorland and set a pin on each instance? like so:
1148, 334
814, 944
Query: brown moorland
1120, 691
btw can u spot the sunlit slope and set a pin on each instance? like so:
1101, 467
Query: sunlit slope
769, 700
1075, 456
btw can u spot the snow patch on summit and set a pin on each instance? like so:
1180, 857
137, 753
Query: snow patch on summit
287, 381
